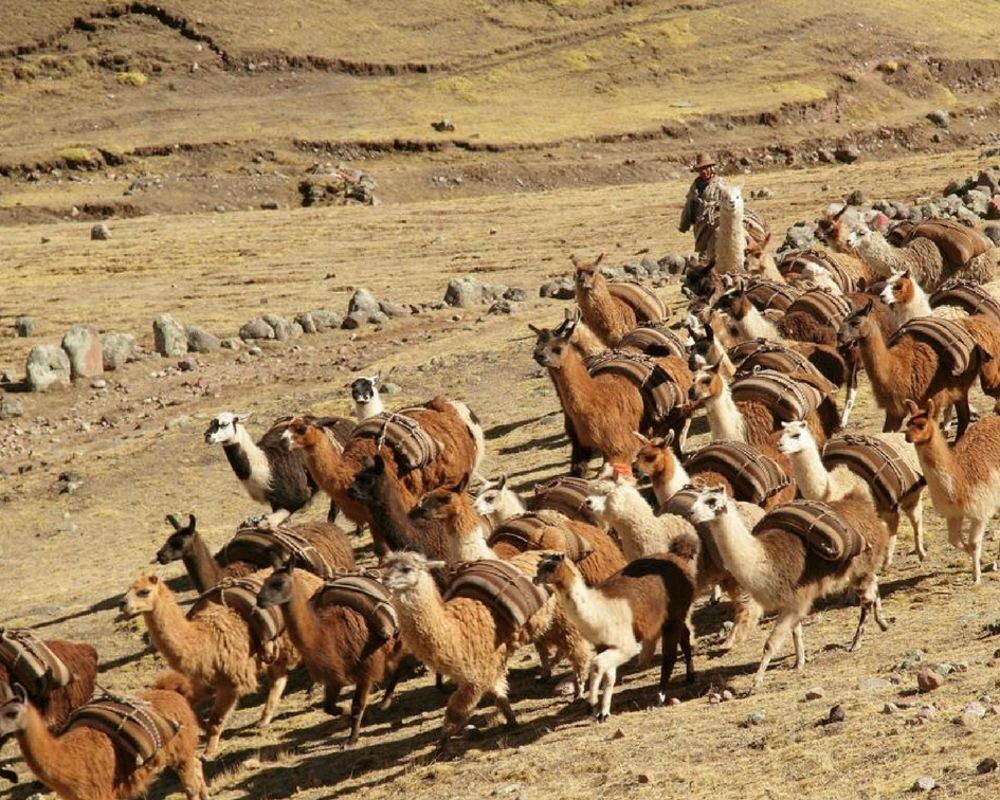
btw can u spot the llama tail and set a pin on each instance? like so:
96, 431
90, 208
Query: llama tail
686, 547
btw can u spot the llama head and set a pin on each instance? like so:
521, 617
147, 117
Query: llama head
277, 589
732, 198
655, 456
700, 279
704, 350
496, 502
899, 288
795, 437
13, 710
587, 272
706, 384
179, 543
405, 571
301, 432
554, 569
365, 486
141, 595
223, 428
551, 351
856, 238
858, 325
445, 503
365, 389
922, 424
711, 503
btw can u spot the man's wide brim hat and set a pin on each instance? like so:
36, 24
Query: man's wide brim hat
704, 160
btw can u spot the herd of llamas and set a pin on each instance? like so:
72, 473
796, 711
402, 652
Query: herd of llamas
784, 505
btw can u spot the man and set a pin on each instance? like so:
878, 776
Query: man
705, 190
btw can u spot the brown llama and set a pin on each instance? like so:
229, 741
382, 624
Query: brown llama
607, 314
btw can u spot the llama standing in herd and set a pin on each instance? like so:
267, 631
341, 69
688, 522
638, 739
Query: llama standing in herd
623, 617
83, 763
367, 400
608, 313
964, 481
784, 574
730, 236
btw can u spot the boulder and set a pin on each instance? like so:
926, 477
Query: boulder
516, 293
559, 289
117, 349
464, 292
306, 322
9, 408
169, 336
24, 326
100, 232
283, 329
928, 680
847, 154
325, 320
978, 201
354, 320
940, 117
200, 340
82, 344
257, 328
993, 232
363, 300
391, 309
47, 367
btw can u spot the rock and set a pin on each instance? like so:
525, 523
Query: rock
10, 408
254, 350
325, 320
944, 668
873, 684
231, 343
354, 320
169, 336
924, 783
560, 289
642, 777
763, 193
836, 714
516, 293
269, 205
364, 301
390, 388
927, 713
940, 117
799, 236
826, 156
307, 323
890, 708
100, 232
986, 766
24, 326
978, 202
256, 328
187, 364
993, 232
82, 344
377, 318
756, 717
928, 680
493, 292
855, 198
673, 264
117, 349
847, 154
815, 693
443, 125
47, 366
993, 211
7, 376
176, 422
727, 695
283, 329
504, 307
200, 340
391, 309
464, 292
976, 709
100, 383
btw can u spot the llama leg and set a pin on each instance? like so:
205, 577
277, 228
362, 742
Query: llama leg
977, 530
964, 415
278, 679
891, 520
502, 702
670, 637
225, 702
193, 778
580, 657
331, 694
779, 634
852, 398
915, 514
686, 650
546, 661
798, 638
274, 519
390, 688
870, 602
596, 677
358, 705
460, 705
955, 532
610, 675
331, 515
746, 613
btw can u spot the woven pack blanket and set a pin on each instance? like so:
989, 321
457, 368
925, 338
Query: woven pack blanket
31, 663
258, 546
958, 243
823, 305
788, 399
647, 306
240, 594
970, 297
136, 728
821, 529
875, 461
794, 261
511, 595
953, 343
755, 478
766, 295
364, 593
566, 495
525, 533
661, 395
656, 340
413, 446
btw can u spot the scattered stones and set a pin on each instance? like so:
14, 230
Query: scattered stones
927, 714
443, 125
354, 320
727, 695
187, 364
390, 388
24, 326
945, 668
815, 693
890, 708
100, 232
269, 205
100, 383
169, 337
256, 328
972, 714
763, 193
799, 236
836, 714
855, 198
283, 329
82, 344
940, 117
847, 154
559, 289
986, 766
10, 408
464, 292
200, 340
756, 717
174, 423
928, 680
325, 320
925, 783
874, 684
391, 309
117, 349
337, 187
364, 301
254, 351
516, 294
504, 307
231, 343
47, 367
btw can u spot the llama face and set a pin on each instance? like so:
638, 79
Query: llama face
277, 589
898, 289
549, 569
141, 596
222, 428
705, 385
921, 424
439, 504
651, 457
404, 571
176, 547
364, 487
855, 327
856, 237
297, 434
710, 504
552, 353
12, 713
794, 438
732, 198
492, 497
364, 389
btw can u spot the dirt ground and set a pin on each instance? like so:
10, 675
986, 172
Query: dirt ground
136, 446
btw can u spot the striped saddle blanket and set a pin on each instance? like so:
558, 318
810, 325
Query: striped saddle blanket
766, 295
755, 478
820, 528
647, 306
949, 338
823, 305
660, 394
136, 728
413, 446
768, 354
970, 297
512, 596
788, 399
364, 593
958, 243
259, 546
794, 261
240, 594
31, 663
680, 504
888, 475
654, 340
566, 495
708, 222
532, 531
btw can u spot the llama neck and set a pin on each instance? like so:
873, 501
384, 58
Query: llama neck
917, 306
586, 341
878, 359
742, 553
576, 387
170, 631
945, 474
390, 518
880, 254
724, 417
331, 470
369, 409
248, 461
300, 617
811, 475
731, 240
755, 326
469, 544
46, 755
665, 487
582, 603
600, 311
426, 627
634, 522
201, 565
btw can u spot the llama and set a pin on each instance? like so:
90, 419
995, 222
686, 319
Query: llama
457, 638
83, 763
268, 472
784, 575
919, 256
212, 648
449, 422
816, 482
964, 481
337, 645
205, 570
367, 401
730, 236
609, 312
624, 616
496, 503
604, 409
909, 369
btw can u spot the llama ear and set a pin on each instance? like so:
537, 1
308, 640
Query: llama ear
932, 409
243, 417
501, 482
535, 329
641, 437
462, 485
437, 565
911, 407
667, 440
709, 332
868, 307
20, 694
574, 260
192, 522
378, 464
861, 284
905, 274
600, 258
174, 522
153, 578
